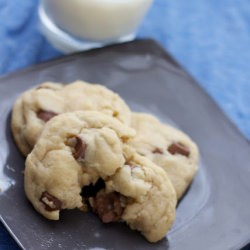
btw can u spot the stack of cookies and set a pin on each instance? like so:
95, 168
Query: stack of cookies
85, 149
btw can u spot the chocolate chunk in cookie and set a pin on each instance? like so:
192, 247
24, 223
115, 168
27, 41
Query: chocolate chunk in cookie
50, 202
46, 115
79, 149
107, 206
178, 148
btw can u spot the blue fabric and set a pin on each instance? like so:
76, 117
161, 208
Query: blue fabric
210, 38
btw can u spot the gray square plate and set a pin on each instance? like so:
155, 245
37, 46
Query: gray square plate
215, 212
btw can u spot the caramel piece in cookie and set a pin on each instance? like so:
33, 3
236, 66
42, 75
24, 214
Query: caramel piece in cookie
34, 108
167, 147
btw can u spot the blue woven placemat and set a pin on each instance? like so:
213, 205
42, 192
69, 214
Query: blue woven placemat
210, 38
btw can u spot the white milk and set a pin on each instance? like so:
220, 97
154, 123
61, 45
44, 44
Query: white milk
97, 20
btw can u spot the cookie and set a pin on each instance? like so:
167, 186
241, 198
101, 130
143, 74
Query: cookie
167, 147
81, 161
150, 196
37, 106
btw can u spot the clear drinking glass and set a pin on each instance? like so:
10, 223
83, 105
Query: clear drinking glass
73, 25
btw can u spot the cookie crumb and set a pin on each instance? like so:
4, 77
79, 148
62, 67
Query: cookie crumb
10, 168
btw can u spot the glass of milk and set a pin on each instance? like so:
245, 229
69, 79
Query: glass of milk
73, 25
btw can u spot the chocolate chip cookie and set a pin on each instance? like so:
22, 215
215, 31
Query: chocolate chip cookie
150, 198
81, 160
167, 147
37, 106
